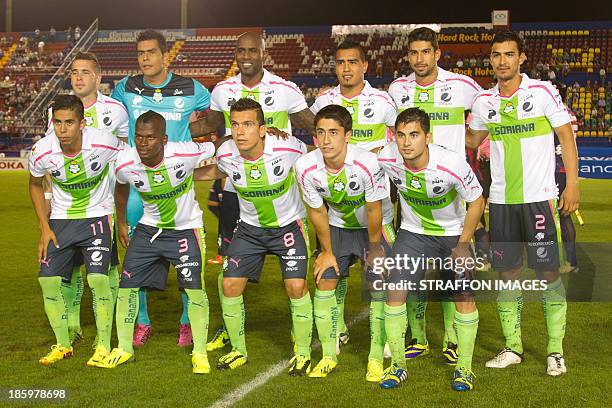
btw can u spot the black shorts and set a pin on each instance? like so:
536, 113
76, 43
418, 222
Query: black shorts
534, 225
246, 253
77, 260
90, 237
230, 213
348, 244
151, 251
561, 180
414, 250
484, 176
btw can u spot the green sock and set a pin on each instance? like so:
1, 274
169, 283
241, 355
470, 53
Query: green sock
340, 295
555, 308
416, 306
103, 306
198, 317
509, 307
325, 317
395, 328
301, 316
55, 307
113, 281
73, 292
377, 327
466, 325
127, 311
234, 317
220, 283
448, 310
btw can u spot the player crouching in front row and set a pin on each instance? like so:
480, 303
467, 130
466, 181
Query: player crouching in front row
433, 183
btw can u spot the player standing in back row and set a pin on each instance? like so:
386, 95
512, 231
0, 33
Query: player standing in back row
522, 115
445, 96
174, 97
283, 105
373, 113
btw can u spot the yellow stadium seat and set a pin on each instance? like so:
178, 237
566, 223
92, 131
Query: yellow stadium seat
579, 133
586, 32
581, 89
562, 33
548, 46
590, 69
580, 32
597, 50
587, 116
607, 116
574, 32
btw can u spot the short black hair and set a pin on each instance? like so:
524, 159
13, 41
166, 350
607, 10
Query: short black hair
68, 102
88, 56
154, 118
414, 115
247, 104
338, 113
352, 45
423, 34
153, 35
503, 36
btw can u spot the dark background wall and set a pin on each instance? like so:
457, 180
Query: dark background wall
130, 14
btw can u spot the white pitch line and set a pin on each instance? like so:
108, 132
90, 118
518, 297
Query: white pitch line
239, 393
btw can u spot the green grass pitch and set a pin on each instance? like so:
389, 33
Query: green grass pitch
162, 374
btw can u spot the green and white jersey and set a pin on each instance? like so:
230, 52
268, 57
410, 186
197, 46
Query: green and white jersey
166, 190
360, 180
373, 111
432, 198
106, 114
521, 132
268, 195
81, 185
445, 100
278, 99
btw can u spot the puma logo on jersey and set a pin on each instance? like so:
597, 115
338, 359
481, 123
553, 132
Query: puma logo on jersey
137, 89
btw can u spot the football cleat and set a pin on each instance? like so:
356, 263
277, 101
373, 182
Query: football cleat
394, 376
504, 358
450, 354
219, 340
98, 356
375, 371
142, 334
299, 366
117, 357
556, 364
200, 363
414, 349
342, 340
324, 367
56, 354
185, 337
463, 380
232, 360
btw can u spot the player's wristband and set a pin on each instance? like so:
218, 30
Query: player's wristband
48, 196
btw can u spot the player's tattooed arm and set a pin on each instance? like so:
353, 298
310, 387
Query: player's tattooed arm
208, 172
374, 215
473, 138
326, 259
38, 201
570, 198
209, 123
122, 193
303, 119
